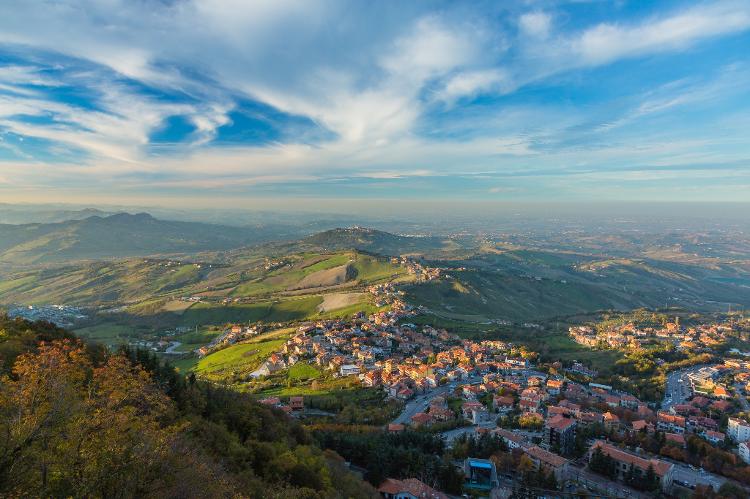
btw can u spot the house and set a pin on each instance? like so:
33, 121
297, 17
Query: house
441, 413
670, 423
527, 405
396, 428
611, 421
502, 403
479, 415
738, 430
714, 437
642, 425
297, 403
349, 370
629, 402
548, 462
512, 440
675, 439
627, 463
559, 434
410, 488
372, 379
272, 401
612, 401
421, 419
469, 407
572, 407
554, 386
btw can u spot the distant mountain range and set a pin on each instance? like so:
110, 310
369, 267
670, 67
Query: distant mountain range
10, 214
118, 235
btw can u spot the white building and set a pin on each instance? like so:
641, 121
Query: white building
744, 452
738, 430
349, 370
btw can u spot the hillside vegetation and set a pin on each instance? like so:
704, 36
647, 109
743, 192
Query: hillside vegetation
81, 422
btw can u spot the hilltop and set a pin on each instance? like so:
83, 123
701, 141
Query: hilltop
374, 241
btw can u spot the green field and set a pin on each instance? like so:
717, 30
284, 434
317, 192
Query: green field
302, 371
191, 341
289, 309
324, 387
284, 278
238, 361
109, 333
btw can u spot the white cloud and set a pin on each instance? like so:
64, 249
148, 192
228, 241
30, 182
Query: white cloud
470, 83
607, 42
369, 83
535, 24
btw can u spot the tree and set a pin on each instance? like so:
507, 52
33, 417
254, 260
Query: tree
80, 430
651, 481
732, 491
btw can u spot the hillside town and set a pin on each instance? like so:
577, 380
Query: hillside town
631, 336
584, 434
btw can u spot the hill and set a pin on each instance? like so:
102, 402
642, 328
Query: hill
375, 241
116, 236
13, 214
525, 285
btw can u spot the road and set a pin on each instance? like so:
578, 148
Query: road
580, 476
684, 473
172, 348
678, 388
422, 402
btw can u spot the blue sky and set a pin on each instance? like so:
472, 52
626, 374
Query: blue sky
228, 102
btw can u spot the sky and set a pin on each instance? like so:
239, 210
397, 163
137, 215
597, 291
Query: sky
296, 103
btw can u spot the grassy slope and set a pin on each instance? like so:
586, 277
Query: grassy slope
243, 358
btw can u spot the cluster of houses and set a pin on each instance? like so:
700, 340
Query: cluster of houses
562, 408
61, 315
631, 336
421, 272
376, 348
492, 379
387, 294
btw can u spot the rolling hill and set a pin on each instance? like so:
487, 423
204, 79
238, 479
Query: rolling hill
375, 241
280, 281
535, 285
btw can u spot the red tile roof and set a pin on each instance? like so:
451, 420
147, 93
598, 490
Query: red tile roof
546, 457
411, 486
560, 423
661, 468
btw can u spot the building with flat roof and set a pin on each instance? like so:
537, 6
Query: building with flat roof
738, 430
480, 474
559, 434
